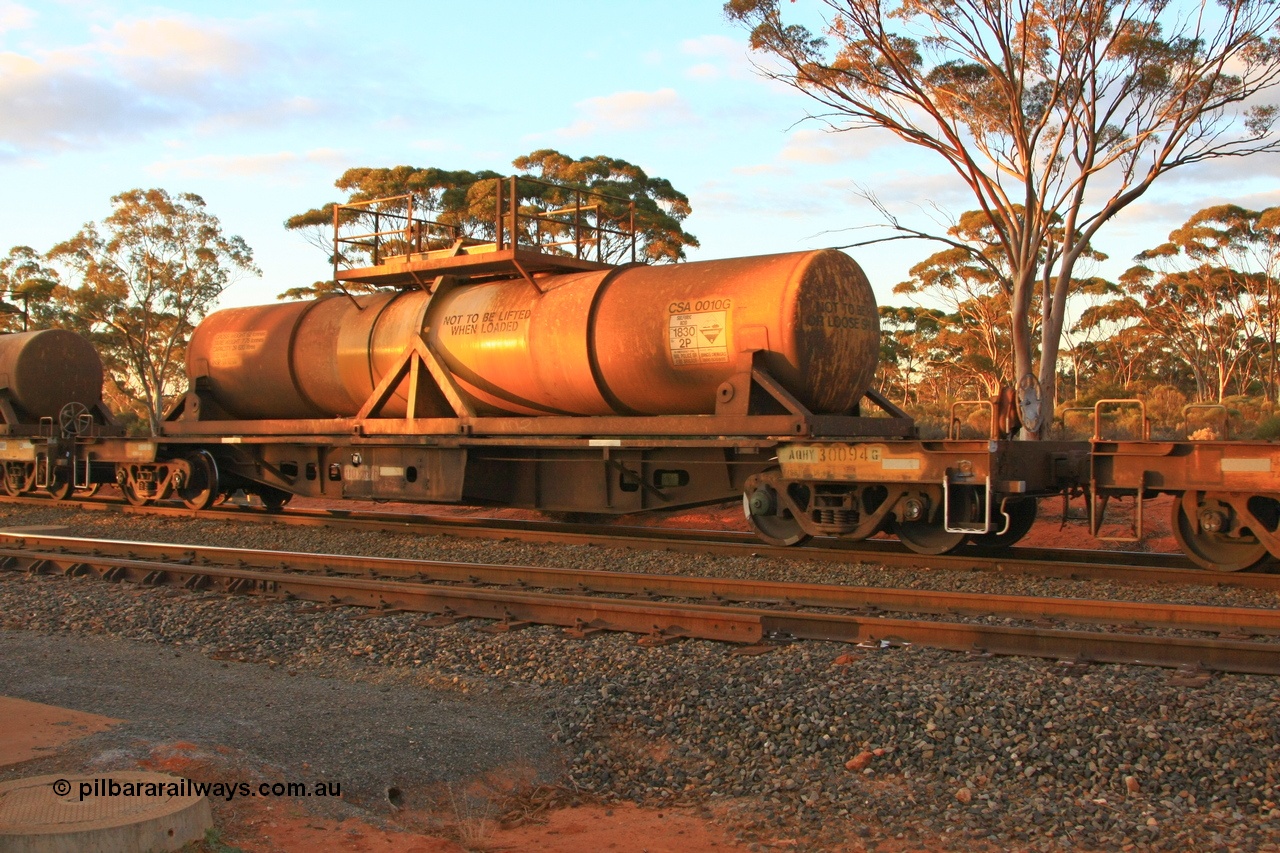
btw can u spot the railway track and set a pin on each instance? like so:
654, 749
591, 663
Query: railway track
1124, 566
663, 608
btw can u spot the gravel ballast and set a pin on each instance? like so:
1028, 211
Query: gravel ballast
819, 742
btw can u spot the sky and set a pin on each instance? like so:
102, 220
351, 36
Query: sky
259, 106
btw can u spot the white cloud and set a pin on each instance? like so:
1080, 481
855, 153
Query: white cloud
57, 102
720, 56
134, 77
1145, 223
436, 146
810, 145
835, 209
629, 111
721, 47
703, 71
906, 189
174, 55
789, 201
1163, 216
261, 112
1213, 174
15, 17
1258, 200
283, 166
760, 169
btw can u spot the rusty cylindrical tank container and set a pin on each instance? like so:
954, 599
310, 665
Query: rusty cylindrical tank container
45, 370
645, 340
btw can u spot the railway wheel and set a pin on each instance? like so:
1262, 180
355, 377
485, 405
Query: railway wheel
274, 499
928, 534
128, 489
59, 489
1022, 517
133, 496
201, 488
760, 505
1204, 528
88, 491
928, 537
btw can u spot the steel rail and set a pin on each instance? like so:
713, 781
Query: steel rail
1193, 617
1121, 566
507, 605
725, 622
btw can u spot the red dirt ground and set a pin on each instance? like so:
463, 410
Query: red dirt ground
585, 829
262, 826
31, 730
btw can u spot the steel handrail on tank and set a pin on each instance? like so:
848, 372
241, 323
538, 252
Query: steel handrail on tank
582, 222
577, 241
26, 306
508, 218
410, 233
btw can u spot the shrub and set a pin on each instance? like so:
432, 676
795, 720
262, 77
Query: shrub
1268, 428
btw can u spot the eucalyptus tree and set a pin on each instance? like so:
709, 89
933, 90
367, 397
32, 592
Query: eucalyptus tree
1208, 296
27, 285
1198, 315
909, 354
138, 282
1241, 247
1055, 114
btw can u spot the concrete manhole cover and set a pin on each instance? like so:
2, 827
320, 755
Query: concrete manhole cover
114, 812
